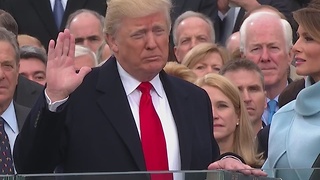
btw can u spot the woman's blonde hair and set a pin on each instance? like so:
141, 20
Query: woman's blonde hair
199, 52
180, 71
245, 144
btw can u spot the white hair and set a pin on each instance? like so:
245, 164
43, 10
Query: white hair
82, 50
259, 16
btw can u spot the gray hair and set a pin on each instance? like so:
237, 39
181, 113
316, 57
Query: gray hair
27, 52
258, 16
187, 15
8, 36
83, 50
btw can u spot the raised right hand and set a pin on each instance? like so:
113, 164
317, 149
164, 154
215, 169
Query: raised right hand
62, 78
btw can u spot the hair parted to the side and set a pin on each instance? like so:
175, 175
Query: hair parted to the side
120, 9
244, 141
308, 18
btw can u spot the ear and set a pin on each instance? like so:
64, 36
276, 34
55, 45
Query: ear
265, 100
176, 53
112, 43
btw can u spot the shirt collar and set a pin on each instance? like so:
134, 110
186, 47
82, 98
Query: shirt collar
10, 118
130, 84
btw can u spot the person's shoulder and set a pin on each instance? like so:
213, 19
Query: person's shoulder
287, 108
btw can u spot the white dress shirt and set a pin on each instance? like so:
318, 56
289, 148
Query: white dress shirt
161, 105
64, 4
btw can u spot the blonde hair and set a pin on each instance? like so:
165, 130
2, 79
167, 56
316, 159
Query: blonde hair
244, 138
120, 9
180, 71
200, 51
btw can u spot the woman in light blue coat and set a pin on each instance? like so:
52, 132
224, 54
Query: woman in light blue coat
294, 140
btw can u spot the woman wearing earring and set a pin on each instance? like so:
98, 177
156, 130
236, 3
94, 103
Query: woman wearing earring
294, 133
232, 129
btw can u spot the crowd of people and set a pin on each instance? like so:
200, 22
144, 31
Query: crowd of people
95, 86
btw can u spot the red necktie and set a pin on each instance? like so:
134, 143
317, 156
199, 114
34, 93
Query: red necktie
152, 136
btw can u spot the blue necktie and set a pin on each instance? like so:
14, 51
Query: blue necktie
272, 105
58, 13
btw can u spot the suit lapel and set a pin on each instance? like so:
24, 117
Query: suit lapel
116, 107
44, 11
177, 102
239, 20
21, 114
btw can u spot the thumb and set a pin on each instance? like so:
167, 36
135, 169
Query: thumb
84, 71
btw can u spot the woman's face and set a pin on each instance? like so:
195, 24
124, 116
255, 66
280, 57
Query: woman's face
211, 63
307, 55
225, 118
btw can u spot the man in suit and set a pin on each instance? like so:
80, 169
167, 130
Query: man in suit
12, 114
26, 92
239, 8
94, 124
266, 39
36, 18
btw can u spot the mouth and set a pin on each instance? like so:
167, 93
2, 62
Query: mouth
217, 125
299, 61
152, 58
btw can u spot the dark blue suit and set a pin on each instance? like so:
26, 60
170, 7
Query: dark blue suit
95, 130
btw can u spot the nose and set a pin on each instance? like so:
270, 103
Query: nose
150, 41
296, 47
246, 96
214, 113
264, 54
1, 73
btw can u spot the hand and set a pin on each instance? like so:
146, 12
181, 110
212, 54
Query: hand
62, 78
235, 165
248, 5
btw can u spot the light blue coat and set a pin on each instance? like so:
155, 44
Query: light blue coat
294, 139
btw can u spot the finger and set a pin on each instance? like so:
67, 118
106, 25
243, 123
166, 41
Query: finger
51, 52
72, 46
258, 172
59, 44
66, 43
213, 166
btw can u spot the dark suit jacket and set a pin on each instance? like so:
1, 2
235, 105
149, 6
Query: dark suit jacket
282, 6
21, 114
95, 130
27, 92
35, 18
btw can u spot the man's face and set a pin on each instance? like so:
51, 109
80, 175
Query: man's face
189, 33
141, 45
265, 46
33, 69
87, 31
9, 71
251, 89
